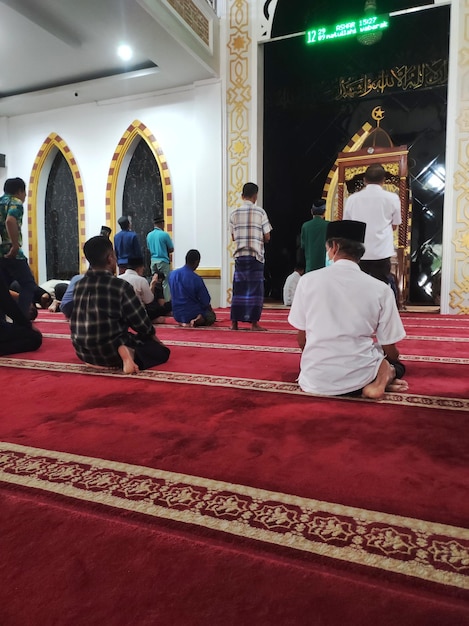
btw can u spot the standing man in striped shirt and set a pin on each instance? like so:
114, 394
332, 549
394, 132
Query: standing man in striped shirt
250, 230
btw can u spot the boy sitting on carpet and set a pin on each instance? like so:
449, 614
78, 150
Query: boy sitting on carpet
104, 307
338, 310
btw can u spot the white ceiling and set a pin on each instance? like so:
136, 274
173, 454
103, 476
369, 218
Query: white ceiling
58, 53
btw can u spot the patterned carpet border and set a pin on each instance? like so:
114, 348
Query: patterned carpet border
251, 384
426, 550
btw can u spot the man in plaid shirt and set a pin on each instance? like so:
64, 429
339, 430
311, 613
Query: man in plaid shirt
103, 309
250, 229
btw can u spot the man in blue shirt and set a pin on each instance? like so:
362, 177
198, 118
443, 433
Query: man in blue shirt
190, 297
126, 244
161, 247
66, 304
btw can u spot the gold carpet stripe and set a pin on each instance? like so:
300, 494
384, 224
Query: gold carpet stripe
403, 545
247, 384
461, 319
420, 358
209, 329
205, 344
437, 326
439, 338
206, 329
282, 349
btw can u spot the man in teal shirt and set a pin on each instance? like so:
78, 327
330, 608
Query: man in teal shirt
13, 263
313, 237
161, 247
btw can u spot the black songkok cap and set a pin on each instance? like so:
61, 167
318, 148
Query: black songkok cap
319, 207
346, 229
135, 261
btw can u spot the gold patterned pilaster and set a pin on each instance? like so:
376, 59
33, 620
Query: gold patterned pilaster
459, 284
238, 109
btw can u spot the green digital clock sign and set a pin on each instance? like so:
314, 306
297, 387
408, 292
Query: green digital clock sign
350, 28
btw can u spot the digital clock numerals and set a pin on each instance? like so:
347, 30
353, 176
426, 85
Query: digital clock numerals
350, 28
368, 21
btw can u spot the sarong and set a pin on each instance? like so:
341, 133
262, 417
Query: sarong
248, 290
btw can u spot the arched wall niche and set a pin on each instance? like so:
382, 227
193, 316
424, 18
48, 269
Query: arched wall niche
136, 132
36, 202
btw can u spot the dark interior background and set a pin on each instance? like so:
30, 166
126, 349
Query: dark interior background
306, 123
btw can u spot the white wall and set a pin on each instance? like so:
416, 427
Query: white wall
4, 144
187, 124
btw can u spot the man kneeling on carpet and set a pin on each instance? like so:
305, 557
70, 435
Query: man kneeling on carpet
17, 335
190, 297
338, 310
104, 307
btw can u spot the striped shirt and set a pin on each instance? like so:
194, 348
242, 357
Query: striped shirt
248, 225
103, 309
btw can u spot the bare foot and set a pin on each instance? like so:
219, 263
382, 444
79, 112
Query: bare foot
197, 321
256, 326
46, 300
128, 364
159, 320
234, 325
398, 385
386, 375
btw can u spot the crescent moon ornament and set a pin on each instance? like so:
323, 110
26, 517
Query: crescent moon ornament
377, 114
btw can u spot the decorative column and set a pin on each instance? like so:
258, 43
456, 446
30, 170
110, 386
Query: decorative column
455, 261
239, 106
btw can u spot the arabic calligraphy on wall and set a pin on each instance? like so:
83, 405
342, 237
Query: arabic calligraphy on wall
402, 78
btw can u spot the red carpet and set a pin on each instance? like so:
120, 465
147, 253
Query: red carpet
211, 490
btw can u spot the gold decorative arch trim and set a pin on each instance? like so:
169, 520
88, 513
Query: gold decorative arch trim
138, 129
52, 142
330, 186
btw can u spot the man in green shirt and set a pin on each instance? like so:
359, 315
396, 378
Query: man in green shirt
13, 262
313, 237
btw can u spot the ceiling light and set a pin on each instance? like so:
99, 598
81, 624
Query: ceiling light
125, 52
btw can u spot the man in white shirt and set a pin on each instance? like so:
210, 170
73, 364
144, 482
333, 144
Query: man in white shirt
134, 276
338, 310
381, 212
290, 285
